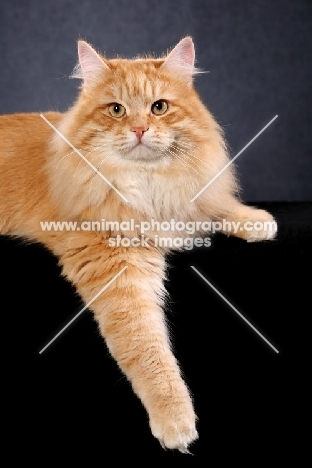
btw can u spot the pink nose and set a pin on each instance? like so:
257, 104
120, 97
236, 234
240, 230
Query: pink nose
139, 131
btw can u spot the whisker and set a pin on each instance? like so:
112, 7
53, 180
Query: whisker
199, 159
192, 147
187, 166
77, 167
72, 152
95, 174
68, 154
94, 149
190, 158
101, 163
190, 162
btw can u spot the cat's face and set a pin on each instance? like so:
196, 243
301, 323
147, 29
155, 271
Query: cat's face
143, 126
138, 110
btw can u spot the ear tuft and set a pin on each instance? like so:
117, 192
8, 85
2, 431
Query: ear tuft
91, 67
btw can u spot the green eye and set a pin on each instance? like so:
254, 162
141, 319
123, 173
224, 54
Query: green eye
117, 110
160, 107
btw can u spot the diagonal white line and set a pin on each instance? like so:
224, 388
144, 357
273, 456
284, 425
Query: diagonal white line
83, 157
84, 308
232, 160
235, 310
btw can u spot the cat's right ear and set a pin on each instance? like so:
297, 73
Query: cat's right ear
91, 68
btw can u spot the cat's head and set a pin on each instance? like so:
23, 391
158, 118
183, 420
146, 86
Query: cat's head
138, 110
142, 126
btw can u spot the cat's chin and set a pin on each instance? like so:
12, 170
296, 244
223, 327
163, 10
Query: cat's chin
143, 153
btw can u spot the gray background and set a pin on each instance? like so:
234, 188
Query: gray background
258, 54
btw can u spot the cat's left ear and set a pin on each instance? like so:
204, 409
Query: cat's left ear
181, 60
91, 68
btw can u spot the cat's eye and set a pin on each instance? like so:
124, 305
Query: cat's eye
160, 107
117, 110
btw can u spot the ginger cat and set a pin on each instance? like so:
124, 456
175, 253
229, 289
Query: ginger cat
139, 146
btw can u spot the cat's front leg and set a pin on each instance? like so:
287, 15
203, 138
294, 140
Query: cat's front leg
246, 222
131, 320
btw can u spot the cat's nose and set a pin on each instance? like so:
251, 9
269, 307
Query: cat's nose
139, 131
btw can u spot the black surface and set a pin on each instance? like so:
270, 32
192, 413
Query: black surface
73, 402
257, 53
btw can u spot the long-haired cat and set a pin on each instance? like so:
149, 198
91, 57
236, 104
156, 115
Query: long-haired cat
138, 144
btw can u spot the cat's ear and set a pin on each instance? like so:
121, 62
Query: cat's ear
91, 67
181, 60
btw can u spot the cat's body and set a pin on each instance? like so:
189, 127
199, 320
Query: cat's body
142, 125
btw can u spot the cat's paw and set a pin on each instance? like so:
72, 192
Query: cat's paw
175, 430
260, 226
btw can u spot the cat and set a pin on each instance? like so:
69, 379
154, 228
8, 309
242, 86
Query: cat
138, 144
